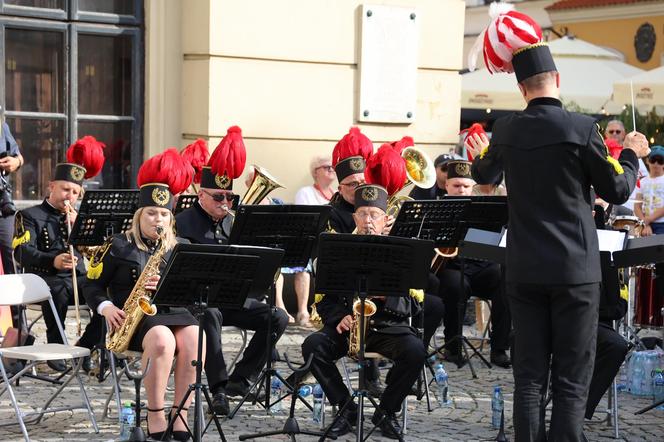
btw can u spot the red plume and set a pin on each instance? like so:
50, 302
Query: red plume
475, 128
352, 144
197, 154
230, 156
403, 143
167, 168
386, 168
89, 153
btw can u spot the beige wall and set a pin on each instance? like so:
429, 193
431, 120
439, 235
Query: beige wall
286, 73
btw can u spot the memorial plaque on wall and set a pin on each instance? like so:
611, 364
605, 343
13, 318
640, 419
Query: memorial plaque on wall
388, 64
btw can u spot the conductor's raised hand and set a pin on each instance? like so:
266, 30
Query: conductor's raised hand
476, 143
637, 142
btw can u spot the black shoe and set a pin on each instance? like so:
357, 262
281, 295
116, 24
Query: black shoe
240, 387
57, 365
220, 404
500, 358
383, 420
86, 366
345, 423
375, 388
456, 358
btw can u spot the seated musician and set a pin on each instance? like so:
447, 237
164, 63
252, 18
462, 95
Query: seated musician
41, 242
209, 221
388, 333
481, 278
113, 274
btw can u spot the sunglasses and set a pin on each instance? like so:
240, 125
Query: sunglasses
220, 197
658, 160
616, 131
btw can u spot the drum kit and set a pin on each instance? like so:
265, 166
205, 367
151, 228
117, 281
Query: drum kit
646, 292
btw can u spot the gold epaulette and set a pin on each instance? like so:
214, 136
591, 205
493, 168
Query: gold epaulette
22, 236
96, 262
624, 292
417, 295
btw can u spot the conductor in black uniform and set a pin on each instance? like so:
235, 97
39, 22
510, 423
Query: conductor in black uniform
551, 157
387, 333
41, 247
209, 221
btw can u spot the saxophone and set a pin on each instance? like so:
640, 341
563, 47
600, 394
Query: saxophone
138, 303
354, 338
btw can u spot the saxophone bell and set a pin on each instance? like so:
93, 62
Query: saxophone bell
146, 306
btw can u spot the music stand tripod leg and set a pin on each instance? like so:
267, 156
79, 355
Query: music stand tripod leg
197, 388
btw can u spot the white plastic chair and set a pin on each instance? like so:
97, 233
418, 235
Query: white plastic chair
28, 288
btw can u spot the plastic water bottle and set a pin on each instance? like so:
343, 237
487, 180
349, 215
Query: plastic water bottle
622, 377
443, 385
318, 404
638, 374
128, 418
658, 387
275, 394
497, 405
305, 390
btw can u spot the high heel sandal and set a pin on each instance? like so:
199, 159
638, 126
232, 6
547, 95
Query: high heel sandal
159, 435
180, 436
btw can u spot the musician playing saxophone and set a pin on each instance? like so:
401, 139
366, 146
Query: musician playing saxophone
112, 275
388, 332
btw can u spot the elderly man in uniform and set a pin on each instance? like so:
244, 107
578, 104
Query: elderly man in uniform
41, 243
389, 334
209, 221
551, 157
482, 279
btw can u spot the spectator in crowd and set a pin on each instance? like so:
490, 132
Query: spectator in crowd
11, 160
615, 134
321, 191
649, 205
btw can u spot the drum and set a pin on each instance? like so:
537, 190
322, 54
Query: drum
649, 299
632, 224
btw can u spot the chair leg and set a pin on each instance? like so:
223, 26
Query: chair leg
44, 409
17, 410
614, 407
116, 388
404, 408
344, 366
84, 395
243, 333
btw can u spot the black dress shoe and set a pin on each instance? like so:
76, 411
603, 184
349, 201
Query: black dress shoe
387, 423
375, 388
220, 404
345, 423
86, 366
57, 365
240, 387
500, 358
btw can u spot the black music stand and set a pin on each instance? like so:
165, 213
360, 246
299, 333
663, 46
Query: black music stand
295, 229
103, 213
364, 265
212, 276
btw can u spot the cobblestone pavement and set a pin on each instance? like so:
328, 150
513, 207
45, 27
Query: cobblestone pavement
468, 418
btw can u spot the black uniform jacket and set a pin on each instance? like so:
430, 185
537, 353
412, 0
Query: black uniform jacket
196, 225
432, 193
114, 270
341, 216
40, 234
551, 157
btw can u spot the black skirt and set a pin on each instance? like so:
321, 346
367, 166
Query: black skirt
174, 317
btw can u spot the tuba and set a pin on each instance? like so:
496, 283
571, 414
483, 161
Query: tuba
138, 304
262, 184
354, 338
420, 172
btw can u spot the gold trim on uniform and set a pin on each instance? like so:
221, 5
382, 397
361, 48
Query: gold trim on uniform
525, 48
160, 196
222, 181
21, 236
96, 266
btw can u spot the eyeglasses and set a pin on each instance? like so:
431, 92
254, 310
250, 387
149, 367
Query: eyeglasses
374, 216
615, 131
220, 197
658, 160
352, 184
327, 168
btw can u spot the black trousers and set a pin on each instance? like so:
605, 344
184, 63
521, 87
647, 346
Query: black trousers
405, 350
253, 317
610, 354
482, 280
555, 329
63, 296
430, 317
6, 236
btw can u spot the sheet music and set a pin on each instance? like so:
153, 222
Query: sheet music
611, 240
